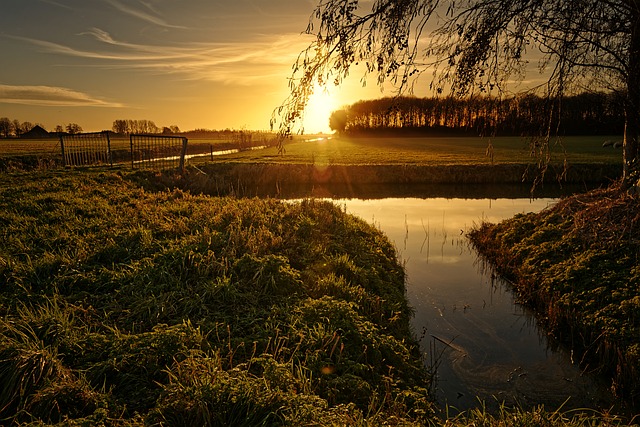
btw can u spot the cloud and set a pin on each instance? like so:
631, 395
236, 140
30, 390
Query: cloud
156, 20
50, 96
240, 63
57, 4
149, 6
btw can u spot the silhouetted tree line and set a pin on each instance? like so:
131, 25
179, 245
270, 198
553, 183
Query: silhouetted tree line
221, 133
15, 128
128, 126
587, 113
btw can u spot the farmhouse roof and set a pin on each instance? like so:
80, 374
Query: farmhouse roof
36, 132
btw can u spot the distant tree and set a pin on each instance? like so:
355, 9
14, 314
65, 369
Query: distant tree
477, 46
150, 127
584, 114
135, 126
73, 128
338, 120
25, 127
120, 126
59, 129
174, 129
17, 127
6, 127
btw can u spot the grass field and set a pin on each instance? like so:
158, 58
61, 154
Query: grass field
51, 146
430, 151
380, 150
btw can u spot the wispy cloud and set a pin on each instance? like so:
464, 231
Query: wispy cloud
140, 14
149, 6
55, 3
241, 63
51, 96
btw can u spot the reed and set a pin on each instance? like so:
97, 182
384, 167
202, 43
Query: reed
251, 179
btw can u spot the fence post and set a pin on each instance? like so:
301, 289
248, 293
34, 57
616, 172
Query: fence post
109, 153
183, 154
131, 145
64, 159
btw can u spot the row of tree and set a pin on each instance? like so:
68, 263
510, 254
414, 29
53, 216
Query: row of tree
587, 113
128, 126
16, 128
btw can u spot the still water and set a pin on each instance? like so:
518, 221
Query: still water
483, 344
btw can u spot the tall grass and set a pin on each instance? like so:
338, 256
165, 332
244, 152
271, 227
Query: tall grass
123, 304
539, 416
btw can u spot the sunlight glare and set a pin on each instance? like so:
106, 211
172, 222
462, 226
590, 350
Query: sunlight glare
318, 111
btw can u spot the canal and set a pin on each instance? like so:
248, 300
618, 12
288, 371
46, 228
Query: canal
482, 345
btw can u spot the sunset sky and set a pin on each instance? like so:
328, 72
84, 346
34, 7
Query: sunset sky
211, 64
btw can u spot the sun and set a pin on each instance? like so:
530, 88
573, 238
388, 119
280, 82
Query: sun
318, 111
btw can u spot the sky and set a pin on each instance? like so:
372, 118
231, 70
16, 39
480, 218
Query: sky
211, 64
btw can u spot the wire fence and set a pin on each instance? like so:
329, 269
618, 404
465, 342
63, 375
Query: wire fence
157, 152
86, 149
145, 151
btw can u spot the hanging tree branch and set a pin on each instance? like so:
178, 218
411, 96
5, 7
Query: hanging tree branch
471, 46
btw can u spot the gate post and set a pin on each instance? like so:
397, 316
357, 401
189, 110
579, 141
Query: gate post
183, 154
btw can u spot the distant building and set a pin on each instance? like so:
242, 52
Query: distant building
35, 133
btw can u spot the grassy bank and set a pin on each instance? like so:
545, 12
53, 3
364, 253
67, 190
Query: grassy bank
577, 263
249, 179
124, 307
316, 165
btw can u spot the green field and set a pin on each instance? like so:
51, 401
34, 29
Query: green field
428, 151
42, 147
374, 150
51, 146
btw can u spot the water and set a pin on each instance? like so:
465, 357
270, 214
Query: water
485, 346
